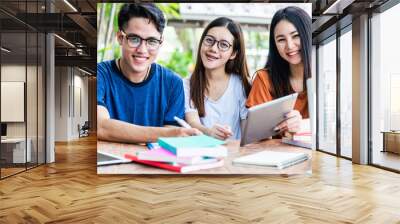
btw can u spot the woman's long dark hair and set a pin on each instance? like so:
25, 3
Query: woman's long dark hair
278, 67
238, 65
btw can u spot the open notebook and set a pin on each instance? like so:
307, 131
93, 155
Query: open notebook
279, 160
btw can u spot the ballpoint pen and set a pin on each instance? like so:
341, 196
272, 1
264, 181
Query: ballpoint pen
149, 146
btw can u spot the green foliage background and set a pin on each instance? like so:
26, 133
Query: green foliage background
181, 58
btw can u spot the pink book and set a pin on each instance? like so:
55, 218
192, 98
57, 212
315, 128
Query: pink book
161, 155
176, 167
301, 139
302, 136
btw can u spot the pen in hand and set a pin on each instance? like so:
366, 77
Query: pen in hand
182, 122
224, 129
187, 127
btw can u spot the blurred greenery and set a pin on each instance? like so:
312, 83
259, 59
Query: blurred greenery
107, 27
109, 46
179, 62
259, 41
171, 10
184, 43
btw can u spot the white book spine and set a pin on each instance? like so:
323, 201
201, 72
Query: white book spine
175, 159
219, 151
202, 166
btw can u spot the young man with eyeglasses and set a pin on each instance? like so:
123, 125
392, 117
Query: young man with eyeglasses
137, 99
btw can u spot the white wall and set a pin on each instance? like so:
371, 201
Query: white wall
71, 94
61, 103
80, 110
33, 126
12, 73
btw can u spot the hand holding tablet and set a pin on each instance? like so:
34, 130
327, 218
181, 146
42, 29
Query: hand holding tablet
264, 118
291, 124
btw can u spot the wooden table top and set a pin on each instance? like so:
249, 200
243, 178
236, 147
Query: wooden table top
234, 151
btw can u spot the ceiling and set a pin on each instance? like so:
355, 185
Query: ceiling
330, 15
76, 25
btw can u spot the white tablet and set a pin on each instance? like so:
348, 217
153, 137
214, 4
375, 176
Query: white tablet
109, 159
262, 119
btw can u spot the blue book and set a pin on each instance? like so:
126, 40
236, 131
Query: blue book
200, 145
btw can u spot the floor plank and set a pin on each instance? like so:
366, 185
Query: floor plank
70, 191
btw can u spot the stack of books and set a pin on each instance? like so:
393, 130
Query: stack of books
301, 139
183, 154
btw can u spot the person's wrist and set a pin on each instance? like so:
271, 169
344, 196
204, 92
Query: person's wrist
208, 131
169, 132
153, 134
176, 131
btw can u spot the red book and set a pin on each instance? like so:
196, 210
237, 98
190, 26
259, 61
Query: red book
175, 167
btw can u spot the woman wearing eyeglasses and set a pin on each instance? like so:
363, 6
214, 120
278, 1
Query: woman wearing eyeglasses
215, 94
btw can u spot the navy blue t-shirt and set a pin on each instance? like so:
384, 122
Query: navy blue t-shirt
153, 102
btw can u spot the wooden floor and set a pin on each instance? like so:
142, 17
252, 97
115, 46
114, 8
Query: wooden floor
70, 191
10, 171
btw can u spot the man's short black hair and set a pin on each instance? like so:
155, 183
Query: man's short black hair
143, 10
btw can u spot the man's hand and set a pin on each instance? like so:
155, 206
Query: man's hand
184, 132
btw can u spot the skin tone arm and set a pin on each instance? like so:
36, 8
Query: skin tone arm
218, 131
120, 131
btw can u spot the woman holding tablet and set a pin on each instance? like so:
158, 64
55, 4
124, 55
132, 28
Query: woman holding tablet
215, 94
288, 66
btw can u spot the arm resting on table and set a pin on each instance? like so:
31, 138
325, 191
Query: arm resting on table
119, 131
